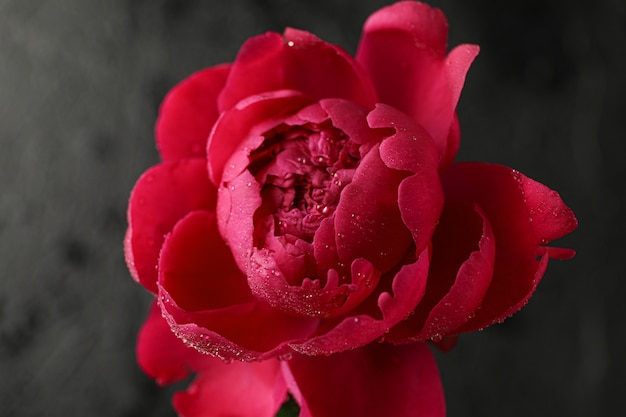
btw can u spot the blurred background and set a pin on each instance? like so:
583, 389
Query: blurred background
80, 84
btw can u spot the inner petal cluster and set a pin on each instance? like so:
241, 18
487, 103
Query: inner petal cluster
303, 170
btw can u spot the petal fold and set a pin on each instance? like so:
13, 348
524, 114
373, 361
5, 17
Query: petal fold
524, 215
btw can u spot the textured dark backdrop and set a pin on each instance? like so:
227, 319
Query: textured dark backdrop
80, 82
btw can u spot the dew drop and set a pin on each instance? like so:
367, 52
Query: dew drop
356, 319
290, 44
286, 356
380, 339
437, 338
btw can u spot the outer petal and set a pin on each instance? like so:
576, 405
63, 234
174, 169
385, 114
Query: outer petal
403, 49
296, 61
524, 216
236, 389
162, 355
206, 302
373, 381
459, 276
188, 113
163, 195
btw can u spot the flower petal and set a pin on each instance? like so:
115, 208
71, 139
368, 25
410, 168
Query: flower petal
197, 269
162, 355
234, 389
188, 113
373, 381
163, 195
211, 308
403, 49
296, 61
524, 215
420, 196
406, 289
241, 123
459, 276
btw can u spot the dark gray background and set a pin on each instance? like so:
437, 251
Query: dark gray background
80, 82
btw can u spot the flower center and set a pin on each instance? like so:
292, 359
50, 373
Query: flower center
303, 170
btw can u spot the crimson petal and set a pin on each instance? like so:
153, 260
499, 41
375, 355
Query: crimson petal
163, 195
188, 113
524, 215
296, 61
235, 389
403, 48
219, 316
373, 381
162, 355
459, 276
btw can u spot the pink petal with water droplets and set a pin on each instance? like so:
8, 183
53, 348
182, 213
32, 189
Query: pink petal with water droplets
211, 309
240, 124
296, 61
524, 216
162, 355
393, 306
411, 149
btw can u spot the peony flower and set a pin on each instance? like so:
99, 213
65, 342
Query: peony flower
307, 204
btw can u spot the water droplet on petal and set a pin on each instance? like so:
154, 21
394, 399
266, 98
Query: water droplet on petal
286, 356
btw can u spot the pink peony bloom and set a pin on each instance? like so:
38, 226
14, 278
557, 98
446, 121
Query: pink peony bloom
307, 204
